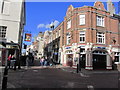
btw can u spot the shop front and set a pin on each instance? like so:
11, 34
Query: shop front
99, 59
69, 58
13, 49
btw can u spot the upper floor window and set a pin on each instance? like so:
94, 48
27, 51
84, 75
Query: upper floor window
100, 21
82, 19
68, 24
100, 38
3, 31
4, 7
68, 39
82, 36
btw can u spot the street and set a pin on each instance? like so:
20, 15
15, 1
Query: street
47, 78
51, 77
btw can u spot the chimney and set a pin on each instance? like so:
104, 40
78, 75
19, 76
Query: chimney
110, 7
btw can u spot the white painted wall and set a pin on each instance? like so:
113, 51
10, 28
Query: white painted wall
13, 20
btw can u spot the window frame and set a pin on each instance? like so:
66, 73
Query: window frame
69, 23
68, 39
82, 35
3, 32
100, 21
100, 40
82, 19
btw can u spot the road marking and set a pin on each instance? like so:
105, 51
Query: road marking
83, 75
90, 87
35, 70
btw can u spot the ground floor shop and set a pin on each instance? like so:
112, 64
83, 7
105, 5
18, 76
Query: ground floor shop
90, 58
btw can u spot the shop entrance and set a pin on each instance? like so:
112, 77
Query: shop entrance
99, 61
82, 61
69, 59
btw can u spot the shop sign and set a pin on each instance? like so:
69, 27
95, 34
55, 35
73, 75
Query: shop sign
68, 47
8, 46
102, 47
28, 37
55, 53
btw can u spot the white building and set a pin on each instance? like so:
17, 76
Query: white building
12, 21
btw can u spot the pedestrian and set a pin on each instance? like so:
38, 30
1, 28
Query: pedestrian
42, 61
45, 61
32, 59
9, 60
27, 61
13, 62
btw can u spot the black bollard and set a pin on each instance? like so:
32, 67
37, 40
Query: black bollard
15, 65
5, 76
77, 68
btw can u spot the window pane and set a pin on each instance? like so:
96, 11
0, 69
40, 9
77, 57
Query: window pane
82, 19
6, 7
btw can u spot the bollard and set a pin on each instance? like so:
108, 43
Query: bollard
77, 68
4, 81
15, 65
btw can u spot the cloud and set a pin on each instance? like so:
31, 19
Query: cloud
55, 23
41, 26
47, 26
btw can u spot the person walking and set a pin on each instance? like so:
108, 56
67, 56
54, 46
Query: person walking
42, 61
27, 61
13, 62
45, 61
9, 60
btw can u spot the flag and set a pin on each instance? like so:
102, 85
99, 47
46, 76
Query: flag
28, 37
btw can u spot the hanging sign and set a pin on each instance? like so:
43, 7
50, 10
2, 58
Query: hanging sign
28, 37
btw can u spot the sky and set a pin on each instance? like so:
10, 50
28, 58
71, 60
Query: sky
39, 15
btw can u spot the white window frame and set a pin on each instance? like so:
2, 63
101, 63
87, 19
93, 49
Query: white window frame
68, 24
82, 19
100, 38
3, 30
68, 39
6, 7
100, 21
82, 36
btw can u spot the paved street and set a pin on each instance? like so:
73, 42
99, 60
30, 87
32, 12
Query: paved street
51, 77
46, 78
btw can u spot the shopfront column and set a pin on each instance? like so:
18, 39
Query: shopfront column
119, 57
109, 62
89, 65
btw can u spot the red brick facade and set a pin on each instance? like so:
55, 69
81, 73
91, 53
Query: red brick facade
110, 29
95, 31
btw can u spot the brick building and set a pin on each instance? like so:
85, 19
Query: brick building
96, 32
90, 34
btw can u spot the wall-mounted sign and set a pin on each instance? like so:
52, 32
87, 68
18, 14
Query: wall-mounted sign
101, 47
68, 47
28, 37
